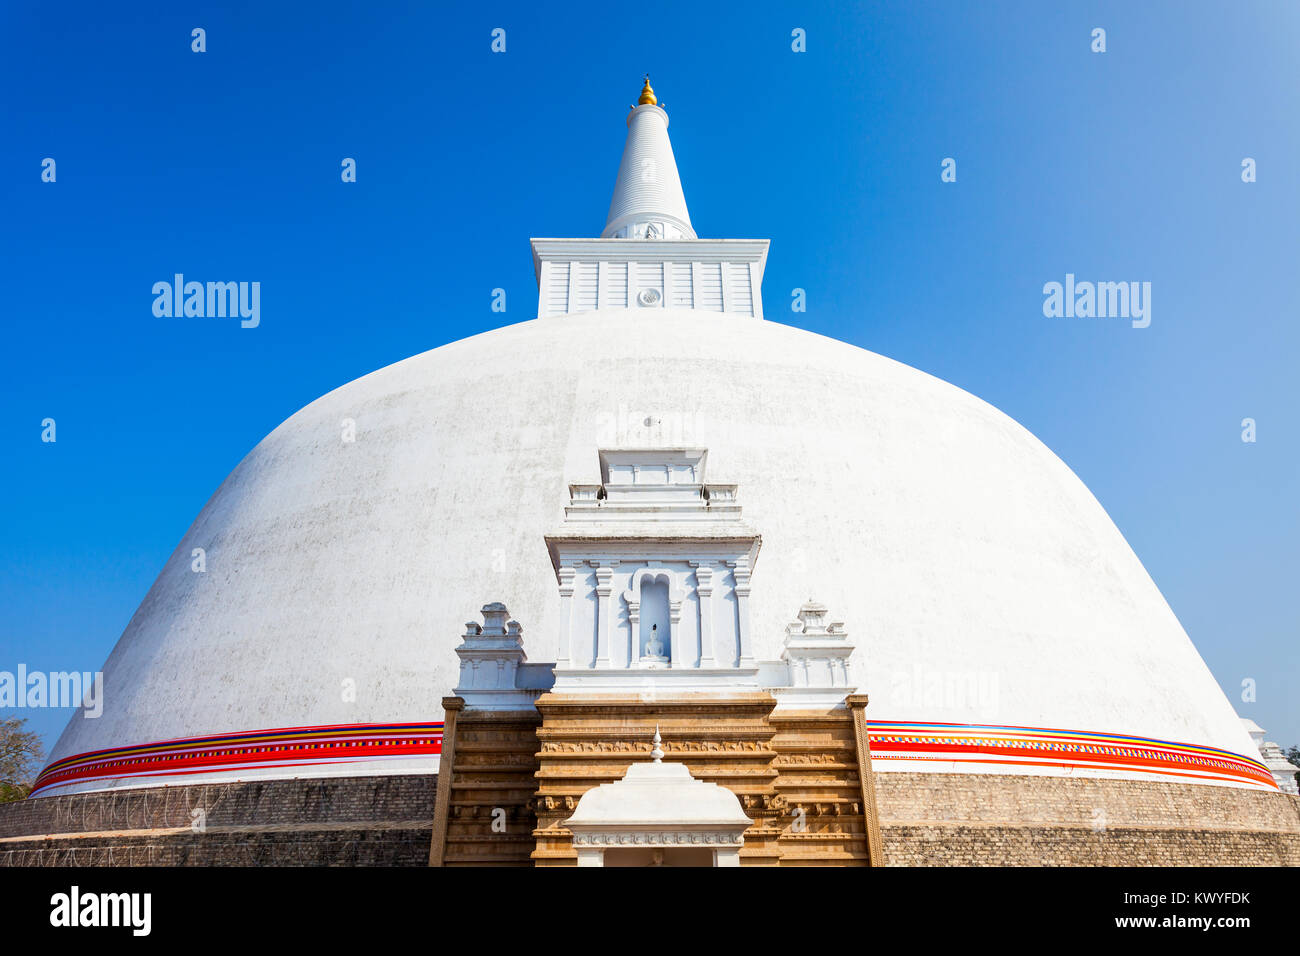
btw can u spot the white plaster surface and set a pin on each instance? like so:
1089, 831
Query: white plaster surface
947, 538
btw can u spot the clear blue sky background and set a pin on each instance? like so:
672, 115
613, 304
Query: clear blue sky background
225, 165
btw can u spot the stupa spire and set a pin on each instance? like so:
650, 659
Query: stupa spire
665, 265
648, 202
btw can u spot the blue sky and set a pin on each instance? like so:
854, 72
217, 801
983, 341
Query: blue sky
225, 165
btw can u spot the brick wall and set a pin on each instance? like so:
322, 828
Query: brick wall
926, 820
971, 819
377, 821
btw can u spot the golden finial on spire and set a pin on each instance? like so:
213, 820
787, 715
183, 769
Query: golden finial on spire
647, 95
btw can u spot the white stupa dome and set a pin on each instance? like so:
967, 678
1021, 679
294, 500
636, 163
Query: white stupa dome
950, 539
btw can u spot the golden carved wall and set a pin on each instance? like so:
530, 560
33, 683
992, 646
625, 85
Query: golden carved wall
512, 779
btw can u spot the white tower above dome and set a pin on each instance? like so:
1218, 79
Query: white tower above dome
648, 201
649, 257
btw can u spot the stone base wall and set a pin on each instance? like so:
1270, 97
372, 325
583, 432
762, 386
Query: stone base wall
796, 774
824, 821
342, 821
587, 741
491, 778
926, 820
943, 819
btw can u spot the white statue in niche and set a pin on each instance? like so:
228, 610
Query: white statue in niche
654, 611
654, 648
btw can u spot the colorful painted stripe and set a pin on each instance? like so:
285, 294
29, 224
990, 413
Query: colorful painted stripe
252, 750
1056, 750
895, 742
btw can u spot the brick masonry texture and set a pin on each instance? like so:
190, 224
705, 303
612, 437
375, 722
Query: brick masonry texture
1004, 820
926, 819
346, 821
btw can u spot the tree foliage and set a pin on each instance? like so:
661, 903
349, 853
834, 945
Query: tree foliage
21, 756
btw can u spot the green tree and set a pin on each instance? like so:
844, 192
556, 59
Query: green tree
1293, 755
21, 756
